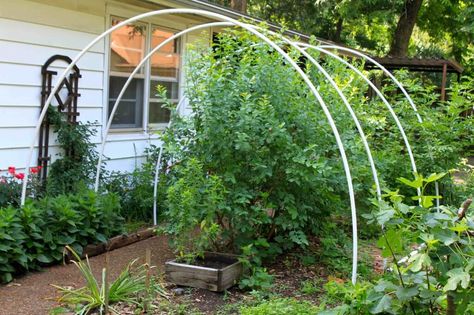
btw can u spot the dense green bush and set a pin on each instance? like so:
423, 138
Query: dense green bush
256, 164
135, 189
431, 255
439, 143
75, 167
36, 234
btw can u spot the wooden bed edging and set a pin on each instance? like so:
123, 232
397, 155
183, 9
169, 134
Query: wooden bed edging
115, 242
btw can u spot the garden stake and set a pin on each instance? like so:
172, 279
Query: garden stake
106, 282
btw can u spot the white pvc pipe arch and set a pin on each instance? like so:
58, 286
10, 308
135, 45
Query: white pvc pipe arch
142, 62
402, 88
379, 93
259, 35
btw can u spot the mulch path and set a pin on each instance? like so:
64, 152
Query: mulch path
33, 294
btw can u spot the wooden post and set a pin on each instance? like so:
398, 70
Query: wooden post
443, 82
106, 284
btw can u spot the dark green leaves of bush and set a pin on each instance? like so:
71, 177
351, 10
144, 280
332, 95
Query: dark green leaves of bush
36, 234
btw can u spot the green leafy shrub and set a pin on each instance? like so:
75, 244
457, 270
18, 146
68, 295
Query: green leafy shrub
135, 189
36, 234
432, 258
281, 306
75, 168
254, 159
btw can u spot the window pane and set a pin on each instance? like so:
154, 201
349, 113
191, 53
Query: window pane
127, 47
158, 114
130, 108
172, 89
165, 62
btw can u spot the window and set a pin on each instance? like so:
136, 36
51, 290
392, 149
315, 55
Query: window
128, 46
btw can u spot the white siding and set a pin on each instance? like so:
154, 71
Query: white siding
33, 31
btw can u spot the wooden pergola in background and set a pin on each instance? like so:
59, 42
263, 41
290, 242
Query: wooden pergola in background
421, 65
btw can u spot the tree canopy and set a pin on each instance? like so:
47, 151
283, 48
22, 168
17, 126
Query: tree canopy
422, 28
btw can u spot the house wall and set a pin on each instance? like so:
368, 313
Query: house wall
30, 33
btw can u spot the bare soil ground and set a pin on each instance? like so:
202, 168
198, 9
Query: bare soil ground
33, 294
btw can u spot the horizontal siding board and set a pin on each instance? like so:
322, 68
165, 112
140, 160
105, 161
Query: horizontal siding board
15, 95
30, 54
43, 35
29, 116
30, 75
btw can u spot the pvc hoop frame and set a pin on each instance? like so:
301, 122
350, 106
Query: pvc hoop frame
379, 93
402, 88
305, 78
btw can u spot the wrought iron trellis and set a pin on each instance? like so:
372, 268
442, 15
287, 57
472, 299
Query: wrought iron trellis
67, 106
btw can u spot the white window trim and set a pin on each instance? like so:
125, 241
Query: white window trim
113, 10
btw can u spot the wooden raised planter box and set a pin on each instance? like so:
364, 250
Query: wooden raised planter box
217, 272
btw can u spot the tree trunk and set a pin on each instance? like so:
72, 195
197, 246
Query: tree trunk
337, 35
239, 5
406, 23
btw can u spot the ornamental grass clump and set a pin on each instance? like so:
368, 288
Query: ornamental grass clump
131, 287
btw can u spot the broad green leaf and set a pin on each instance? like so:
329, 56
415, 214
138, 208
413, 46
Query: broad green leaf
434, 177
393, 240
456, 276
383, 305
44, 259
405, 294
460, 227
418, 260
417, 183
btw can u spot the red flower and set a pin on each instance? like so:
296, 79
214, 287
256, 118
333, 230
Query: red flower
20, 176
11, 170
34, 170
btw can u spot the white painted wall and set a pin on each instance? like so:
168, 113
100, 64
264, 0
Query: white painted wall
30, 33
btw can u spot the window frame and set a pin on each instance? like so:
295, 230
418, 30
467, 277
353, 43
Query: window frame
146, 125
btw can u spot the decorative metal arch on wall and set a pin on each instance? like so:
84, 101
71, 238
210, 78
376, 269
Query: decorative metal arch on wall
261, 35
67, 106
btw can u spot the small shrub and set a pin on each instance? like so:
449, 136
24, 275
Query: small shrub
75, 167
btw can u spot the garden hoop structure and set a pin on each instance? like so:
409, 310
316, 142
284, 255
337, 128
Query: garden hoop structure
266, 40
260, 36
394, 80
305, 78
197, 27
179, 34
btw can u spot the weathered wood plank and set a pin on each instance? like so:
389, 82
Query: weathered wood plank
213, 279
